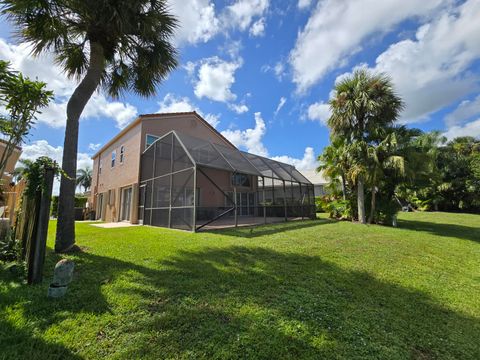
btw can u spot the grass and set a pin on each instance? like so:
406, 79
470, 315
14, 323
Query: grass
312, 289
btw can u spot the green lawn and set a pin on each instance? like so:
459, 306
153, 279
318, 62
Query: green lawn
312, 289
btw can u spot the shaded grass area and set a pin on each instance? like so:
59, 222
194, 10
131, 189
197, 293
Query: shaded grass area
312, 289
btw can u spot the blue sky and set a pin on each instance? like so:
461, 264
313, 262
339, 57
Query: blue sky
262, 72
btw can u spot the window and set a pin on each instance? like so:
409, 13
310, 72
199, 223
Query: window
240, 180
150, 140
122, 153
114, 155
99, 166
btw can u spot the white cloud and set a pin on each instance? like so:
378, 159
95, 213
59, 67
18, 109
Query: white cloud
43, 69
94, 147
39, 148
308, 162
280, 105
172, 104
466, 110
470, 129
335, 31
241, 13
431, 71
258, 28
249, 139
215, 78
238, 108
319, 111
303, 4
197, 20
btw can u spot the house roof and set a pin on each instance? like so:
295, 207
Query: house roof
142, 117
316, 178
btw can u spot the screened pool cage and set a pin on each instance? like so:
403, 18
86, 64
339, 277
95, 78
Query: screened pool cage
191, 184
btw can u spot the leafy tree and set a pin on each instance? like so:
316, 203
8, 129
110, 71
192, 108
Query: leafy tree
84, 178
22, 99
120, 45
363, 103
460, 184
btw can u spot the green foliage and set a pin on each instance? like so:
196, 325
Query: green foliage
22, 100
9, 246
452, 182
337, 208
319, 204
80, 202
34, 171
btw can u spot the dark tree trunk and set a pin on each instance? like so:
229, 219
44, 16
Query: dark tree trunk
66, 217
361, 200
372, 205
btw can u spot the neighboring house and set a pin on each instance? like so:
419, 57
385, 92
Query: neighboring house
10, 194
12, 161
175, 170
319, 182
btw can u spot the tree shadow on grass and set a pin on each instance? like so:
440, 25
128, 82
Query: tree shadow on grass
269, 229
448, 230
29, 347
243, 302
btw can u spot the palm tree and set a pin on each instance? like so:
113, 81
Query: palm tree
19, 172
382, 157
363, 103
120, 45
84, 178
335, 163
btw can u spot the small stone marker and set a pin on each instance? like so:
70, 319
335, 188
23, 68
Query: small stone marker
62, 276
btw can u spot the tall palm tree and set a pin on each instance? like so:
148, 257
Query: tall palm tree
363, 103
120, 45
84, 178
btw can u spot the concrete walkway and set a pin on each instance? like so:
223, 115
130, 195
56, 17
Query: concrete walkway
113, 225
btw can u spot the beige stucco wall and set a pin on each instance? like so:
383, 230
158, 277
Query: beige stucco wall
126, 174
210, 195
123, 174
188, 124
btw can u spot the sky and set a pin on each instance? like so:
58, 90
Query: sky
262, 72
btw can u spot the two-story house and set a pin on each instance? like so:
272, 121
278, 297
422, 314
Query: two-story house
175, 170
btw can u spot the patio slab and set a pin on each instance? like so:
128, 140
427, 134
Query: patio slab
113, 225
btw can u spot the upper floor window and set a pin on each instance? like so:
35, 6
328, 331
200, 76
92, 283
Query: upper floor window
122, 154
99, 166
114, 155
150, 140
240, 180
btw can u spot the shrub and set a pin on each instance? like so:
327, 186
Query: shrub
319, 204
337, 208
9, 246
80, 202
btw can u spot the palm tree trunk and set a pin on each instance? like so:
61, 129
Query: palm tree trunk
372, 207
66, 213
344, 188
361, 200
